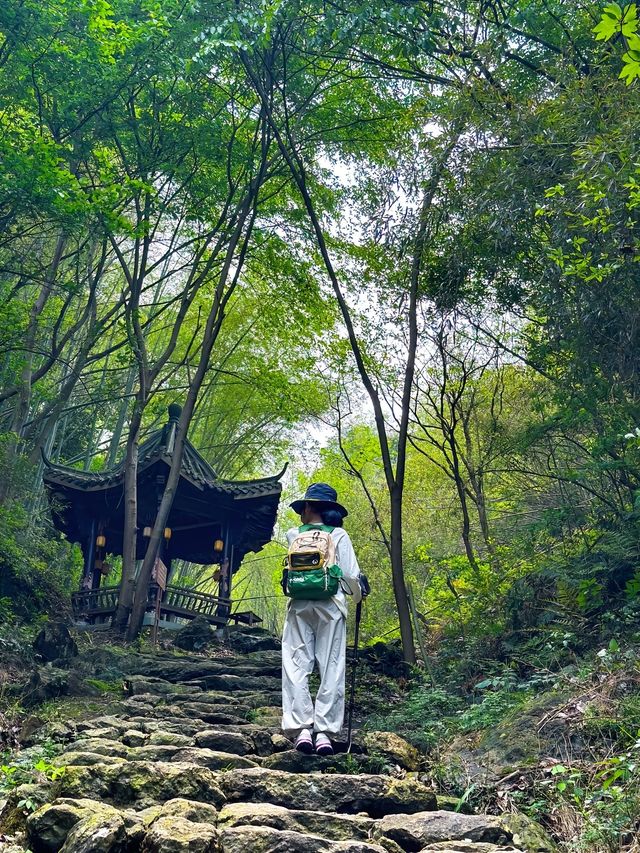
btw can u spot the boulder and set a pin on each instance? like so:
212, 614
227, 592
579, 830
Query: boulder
197, 635
84, 758
337, 827
467, 847
101, 746
392, 748
280, 743
62, 731
102, 833
27, 735
141, 685
206, 710
49, 826
151, 700
54, 642
262, 839
43, 684
191, 755
213, 716
181, 825
267, 683
133, 737
225, 741
13, 816
189, 810
527, 834
160, 738
268, 715
528, 734
141, 783
248, 640
177, 835
254, 699
375, 795
210, 697
196, 671
416, 831
297, 762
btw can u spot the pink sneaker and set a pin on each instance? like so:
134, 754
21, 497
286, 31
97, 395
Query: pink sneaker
323, 744
304, 743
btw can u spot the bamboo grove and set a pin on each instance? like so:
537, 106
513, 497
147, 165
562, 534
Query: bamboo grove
396, 242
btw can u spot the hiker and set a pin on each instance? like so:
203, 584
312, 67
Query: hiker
315, 626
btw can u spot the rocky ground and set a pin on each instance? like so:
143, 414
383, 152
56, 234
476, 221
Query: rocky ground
191, 759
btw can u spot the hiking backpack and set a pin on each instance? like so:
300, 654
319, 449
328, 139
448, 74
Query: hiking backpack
310, 570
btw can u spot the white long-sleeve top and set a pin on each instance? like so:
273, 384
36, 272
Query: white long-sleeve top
346, 560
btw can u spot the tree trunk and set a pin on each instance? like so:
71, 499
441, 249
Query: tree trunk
22, 403
122, 416
129, 536
210, 335
397, 576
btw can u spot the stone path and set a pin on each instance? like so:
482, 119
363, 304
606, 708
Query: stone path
193, 760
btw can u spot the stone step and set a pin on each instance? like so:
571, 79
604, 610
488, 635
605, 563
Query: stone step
63, 826
416, 831
185, 671
228, 741
180, 826
262, 839
136, 685
343, 793
139, 784
204, 709
293, 761
336, 827
203, 757
99, 746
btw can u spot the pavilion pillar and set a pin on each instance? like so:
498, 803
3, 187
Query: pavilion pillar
89, 557
224, 588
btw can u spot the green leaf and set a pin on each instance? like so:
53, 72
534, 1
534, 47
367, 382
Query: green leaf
631, 68
606, 29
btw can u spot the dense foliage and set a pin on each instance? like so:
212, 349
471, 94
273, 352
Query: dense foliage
396, 243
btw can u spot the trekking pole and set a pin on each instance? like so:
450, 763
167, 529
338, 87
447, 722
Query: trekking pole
364, 583
354, 671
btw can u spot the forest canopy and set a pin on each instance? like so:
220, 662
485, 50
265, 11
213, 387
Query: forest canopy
394, 242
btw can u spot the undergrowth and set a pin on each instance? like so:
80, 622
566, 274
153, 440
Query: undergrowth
589, 800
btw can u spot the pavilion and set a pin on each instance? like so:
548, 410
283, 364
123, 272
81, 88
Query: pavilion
212, 521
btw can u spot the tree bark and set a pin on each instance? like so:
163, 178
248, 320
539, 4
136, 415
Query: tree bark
211, 332
129, 536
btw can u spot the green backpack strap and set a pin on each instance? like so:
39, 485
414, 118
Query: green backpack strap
304, 527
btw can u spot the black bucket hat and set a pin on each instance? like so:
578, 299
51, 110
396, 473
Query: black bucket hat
320, 493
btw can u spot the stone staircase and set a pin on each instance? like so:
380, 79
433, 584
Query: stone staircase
193, 760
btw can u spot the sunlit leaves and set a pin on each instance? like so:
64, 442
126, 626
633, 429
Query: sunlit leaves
622, 21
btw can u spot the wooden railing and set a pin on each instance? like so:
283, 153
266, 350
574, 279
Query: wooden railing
187, 602
95, 604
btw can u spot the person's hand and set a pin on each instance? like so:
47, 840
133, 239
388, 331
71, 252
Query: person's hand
365, 589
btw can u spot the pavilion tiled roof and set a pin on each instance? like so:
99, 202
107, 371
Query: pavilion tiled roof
159, 447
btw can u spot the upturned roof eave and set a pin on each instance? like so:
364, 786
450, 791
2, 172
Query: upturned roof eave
92, 481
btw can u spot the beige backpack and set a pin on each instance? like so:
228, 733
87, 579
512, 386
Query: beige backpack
310, 566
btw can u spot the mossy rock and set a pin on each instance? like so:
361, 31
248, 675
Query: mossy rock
392, 748
337, 827
527, 834
141, 783
525, 736
13, 817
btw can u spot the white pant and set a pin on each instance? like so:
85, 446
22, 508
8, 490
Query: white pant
313, 631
